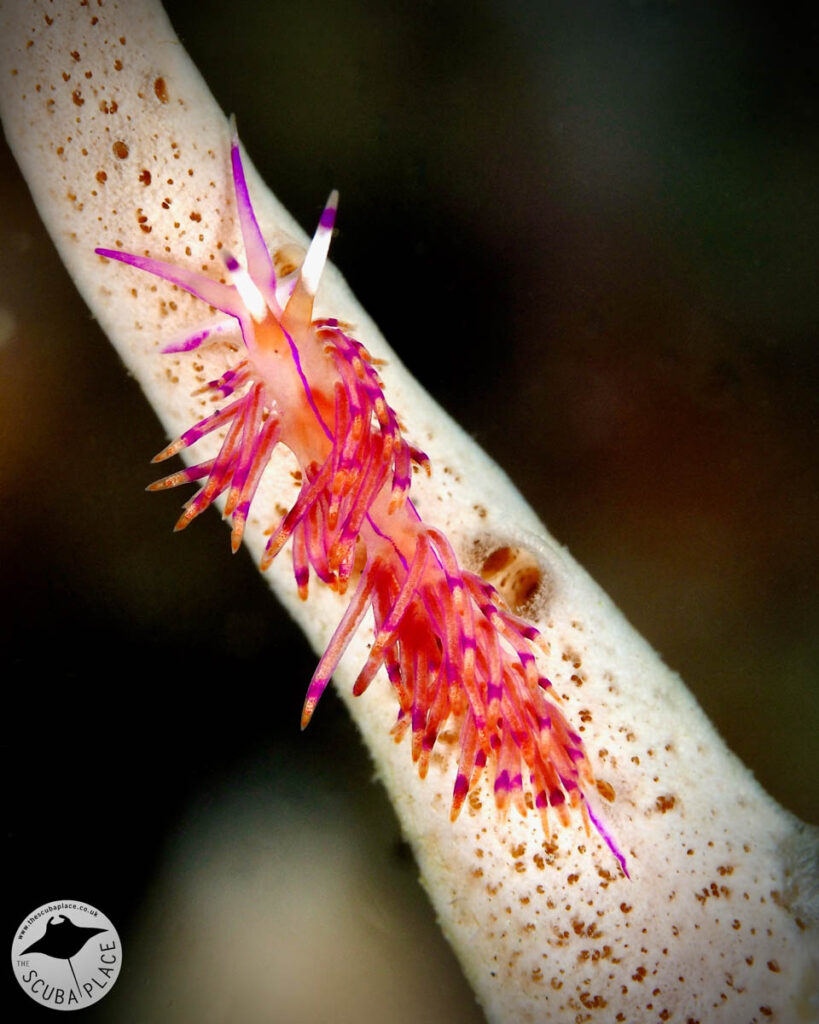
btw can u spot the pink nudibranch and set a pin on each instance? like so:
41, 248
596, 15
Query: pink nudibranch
451, 648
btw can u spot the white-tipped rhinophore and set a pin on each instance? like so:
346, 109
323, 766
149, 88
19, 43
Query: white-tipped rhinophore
316, 258
251, 296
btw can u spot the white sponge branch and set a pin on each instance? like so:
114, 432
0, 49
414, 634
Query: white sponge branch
123, 146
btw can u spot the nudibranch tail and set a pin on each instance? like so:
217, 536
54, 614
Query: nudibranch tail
453, 652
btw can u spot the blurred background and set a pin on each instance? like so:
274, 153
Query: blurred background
592, 232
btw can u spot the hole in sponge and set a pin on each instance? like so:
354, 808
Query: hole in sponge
514, 573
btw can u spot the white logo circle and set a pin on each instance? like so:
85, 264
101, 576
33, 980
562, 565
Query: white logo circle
66, 955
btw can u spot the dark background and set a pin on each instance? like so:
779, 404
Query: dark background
592, 231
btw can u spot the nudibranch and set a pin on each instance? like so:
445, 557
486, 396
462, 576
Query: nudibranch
452, 650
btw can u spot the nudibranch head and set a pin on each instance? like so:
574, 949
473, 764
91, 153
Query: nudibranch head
451, 648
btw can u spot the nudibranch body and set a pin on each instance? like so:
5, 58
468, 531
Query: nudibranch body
451, 648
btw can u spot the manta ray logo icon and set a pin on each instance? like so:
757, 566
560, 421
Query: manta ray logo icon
66, 955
